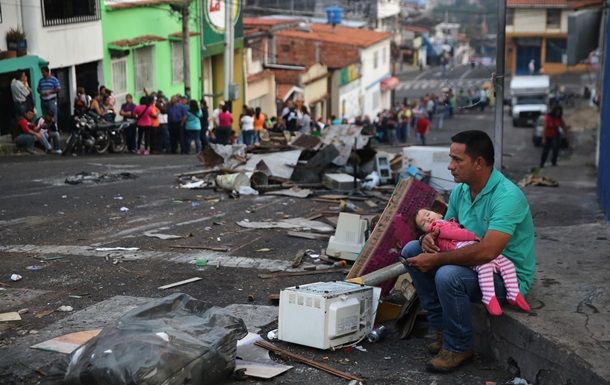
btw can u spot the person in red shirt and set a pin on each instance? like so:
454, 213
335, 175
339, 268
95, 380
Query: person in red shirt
224, 131
30, 134
551, 136
421, 130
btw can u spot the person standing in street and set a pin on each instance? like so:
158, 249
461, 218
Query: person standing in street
551, 136
48, 88
192, 128
496, 210
247, 127
224, 129
126, 112
422, 127
176, 115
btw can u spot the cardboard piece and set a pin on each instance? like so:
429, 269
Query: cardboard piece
256, 360
11, 316
68, 342
394, 229
278, 164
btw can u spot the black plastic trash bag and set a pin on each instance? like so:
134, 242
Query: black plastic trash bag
173, 340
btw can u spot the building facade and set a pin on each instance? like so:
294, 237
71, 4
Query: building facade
65, 34
537, 30
143, 48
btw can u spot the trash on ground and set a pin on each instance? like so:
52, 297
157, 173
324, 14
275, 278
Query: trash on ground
97, 177
10, 316
179, 283
224, 156
154, 234
349, 238
16, 277
263, 250
281, 274
185, 340
65, 308
255, 360
117, 248
277, 164
200, 184
340, 182
49, 257
292, 223
537, 180
359, 347
246, 190
296, 357
371, 181
68, 342
124, 209
44, 313
34, 267
294, 192
232, 182
213, 248
345, 313
272, 334
377, 334
518, 381
299, 234
201, 263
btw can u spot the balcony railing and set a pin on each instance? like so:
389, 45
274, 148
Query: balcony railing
63, 12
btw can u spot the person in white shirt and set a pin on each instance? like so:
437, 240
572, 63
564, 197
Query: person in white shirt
21, 93
247, 127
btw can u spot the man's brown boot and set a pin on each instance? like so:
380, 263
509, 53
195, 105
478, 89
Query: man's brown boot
435, 347
446, 361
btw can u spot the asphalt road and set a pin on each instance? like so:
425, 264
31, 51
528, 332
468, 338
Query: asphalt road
41, 215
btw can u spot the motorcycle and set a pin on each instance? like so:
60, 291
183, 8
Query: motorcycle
91, 134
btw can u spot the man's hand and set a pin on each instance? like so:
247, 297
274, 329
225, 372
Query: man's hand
424, 262
428, 244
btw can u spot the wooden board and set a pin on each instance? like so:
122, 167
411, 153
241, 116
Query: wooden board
179, 283
12, 316
394, 229
68, 342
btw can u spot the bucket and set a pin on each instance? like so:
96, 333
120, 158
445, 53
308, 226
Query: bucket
232, 181
259, 179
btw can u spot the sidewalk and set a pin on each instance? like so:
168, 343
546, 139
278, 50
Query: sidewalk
566, 340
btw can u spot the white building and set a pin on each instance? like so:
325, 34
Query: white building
67, 34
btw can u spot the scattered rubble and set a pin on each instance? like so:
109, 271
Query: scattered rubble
85, 177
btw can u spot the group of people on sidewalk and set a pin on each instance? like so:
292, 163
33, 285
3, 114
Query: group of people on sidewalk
29, 128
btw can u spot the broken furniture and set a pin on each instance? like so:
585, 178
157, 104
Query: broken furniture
325, 315
340, 182
382, 166
349, 238
433, 159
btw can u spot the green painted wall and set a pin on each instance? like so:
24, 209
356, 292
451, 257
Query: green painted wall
120, 24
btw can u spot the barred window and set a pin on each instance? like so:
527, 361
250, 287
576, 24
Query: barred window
58, 12
177, 62
144, 68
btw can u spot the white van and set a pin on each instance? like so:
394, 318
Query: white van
529, 98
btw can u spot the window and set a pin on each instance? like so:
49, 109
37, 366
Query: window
144, 68
553, 18
555, 50
58, 12
375, 59
119, 76
510, 16
177, 62
384, 55
376, 99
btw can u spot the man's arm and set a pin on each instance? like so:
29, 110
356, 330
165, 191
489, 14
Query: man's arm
479, 253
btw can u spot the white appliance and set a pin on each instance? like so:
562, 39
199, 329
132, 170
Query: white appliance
349, 238
324, 315
433, 159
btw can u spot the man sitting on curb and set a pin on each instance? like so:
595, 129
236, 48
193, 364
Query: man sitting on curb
494, 208
30, 133
48, 128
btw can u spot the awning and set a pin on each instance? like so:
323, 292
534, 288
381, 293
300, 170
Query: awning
389, 83
136, 42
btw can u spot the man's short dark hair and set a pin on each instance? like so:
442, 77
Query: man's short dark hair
478, 143
45, 69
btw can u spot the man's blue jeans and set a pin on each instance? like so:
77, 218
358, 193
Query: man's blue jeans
49, 105
446, 294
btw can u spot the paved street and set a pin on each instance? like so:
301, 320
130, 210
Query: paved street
42, 216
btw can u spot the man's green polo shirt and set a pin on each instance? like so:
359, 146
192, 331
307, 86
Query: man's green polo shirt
500, 206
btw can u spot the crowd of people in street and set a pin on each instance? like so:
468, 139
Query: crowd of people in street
176, 124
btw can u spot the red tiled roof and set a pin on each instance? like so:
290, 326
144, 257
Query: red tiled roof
338, 35
260, 76
251, 22
124, 4
537, 3
282, 90
415, 28
179, 34
126, 43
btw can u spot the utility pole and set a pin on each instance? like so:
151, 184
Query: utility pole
186, 53
499, 83
229, 52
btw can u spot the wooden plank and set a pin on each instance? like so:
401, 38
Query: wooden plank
307, 361
213, 248
180, 283
394, 229
301, 234
280, 274
298, 259
68, 342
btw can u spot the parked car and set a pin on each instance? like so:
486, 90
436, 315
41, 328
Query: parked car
539, 129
